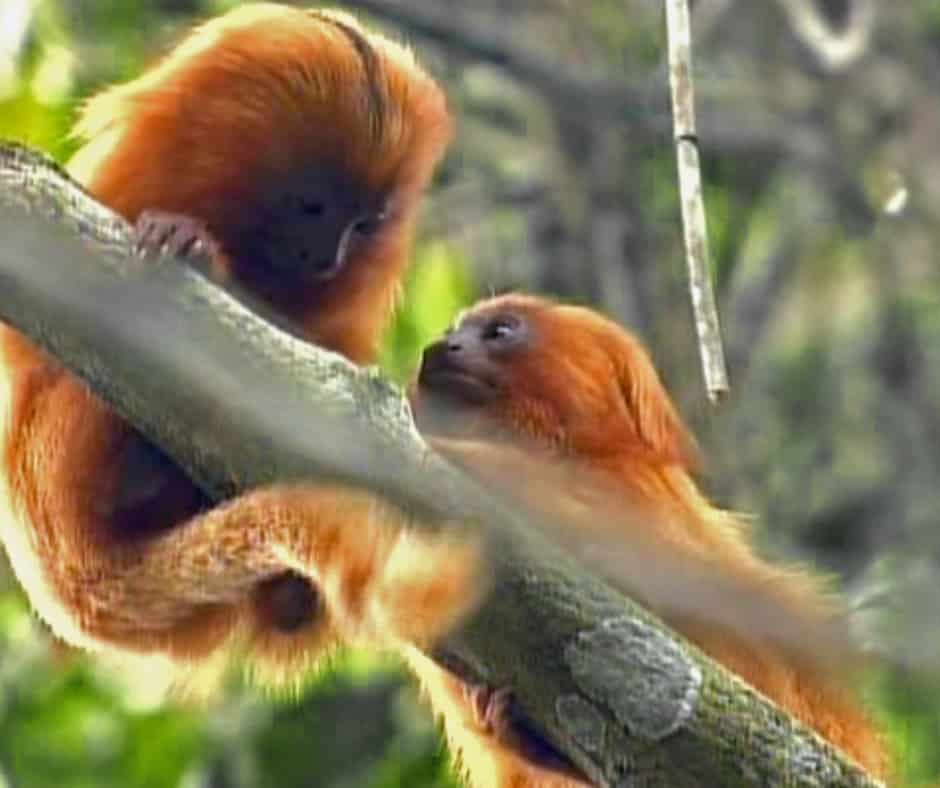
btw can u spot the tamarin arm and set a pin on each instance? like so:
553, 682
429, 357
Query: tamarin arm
352, 546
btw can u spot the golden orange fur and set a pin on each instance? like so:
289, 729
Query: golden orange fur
263, 95
573, 404
286, 134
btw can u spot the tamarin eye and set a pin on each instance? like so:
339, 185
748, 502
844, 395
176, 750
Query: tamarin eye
504, 328
312, 207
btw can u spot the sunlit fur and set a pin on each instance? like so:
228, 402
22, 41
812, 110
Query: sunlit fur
614, 461
262, 94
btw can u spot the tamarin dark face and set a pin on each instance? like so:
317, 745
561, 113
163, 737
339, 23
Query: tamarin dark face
308, 227
489, 375
562, 377
470, 363
303, 232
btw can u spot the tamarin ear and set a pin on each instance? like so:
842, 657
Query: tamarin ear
657, 426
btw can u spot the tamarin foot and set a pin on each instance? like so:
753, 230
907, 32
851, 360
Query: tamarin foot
497, 714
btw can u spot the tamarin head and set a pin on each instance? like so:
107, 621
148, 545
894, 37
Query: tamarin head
299, 139
563, 377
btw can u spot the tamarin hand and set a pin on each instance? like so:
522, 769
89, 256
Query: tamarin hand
157, 233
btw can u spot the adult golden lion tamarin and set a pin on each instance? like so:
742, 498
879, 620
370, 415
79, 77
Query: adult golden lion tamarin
290, 147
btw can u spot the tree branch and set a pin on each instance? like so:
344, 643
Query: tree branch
707, 327
239, 403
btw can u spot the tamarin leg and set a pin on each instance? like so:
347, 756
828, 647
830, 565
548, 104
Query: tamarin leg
352, 546
495, 712
484, 756
145, 568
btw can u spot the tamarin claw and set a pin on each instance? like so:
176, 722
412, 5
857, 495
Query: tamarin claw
157, 233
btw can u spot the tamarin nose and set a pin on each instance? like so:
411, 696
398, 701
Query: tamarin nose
437, 357
461, 340
435, 353
453, 350
334, 254
327, 267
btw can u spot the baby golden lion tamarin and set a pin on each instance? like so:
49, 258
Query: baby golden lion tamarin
284, 150
567, 386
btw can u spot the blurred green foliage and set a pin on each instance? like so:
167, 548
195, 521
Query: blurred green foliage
438, 285
909, 717
66, 722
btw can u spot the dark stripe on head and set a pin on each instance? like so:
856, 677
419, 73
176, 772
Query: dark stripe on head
371, 69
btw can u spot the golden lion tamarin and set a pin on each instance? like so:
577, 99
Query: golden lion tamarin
290, 148
521, 379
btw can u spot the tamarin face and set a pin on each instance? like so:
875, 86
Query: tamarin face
308, 227
563, 377
306, 233
300, 140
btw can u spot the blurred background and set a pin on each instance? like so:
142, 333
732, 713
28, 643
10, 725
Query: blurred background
820, 135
